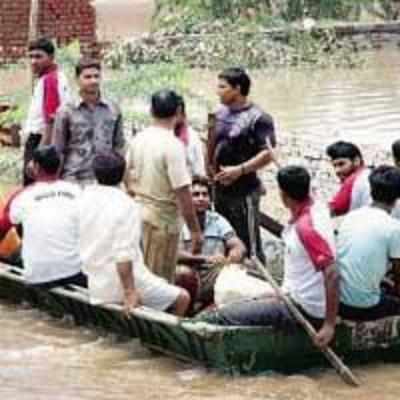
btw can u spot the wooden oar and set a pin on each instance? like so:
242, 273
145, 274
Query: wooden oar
335, 361
270, 224
344, 371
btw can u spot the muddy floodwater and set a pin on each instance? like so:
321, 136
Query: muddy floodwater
46, 359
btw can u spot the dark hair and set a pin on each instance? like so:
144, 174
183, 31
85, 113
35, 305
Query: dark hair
47, 158
109, 168
42, 44
295, 182
343, 149
181, 103
164, 104
202, 181
385, 184
237, 77
396, 149
85, 63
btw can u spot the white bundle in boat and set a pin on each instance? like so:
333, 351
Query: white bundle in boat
234, 284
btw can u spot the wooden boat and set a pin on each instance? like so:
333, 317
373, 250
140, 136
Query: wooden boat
233, 350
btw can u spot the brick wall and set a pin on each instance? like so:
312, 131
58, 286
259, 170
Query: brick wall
62, 20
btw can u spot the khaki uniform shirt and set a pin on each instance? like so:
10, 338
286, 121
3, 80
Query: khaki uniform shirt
156, 167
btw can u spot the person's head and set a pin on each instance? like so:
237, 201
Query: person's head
109, 168
233, 85
396, 152
45, 162
88, 76
345, 157
201, 193
294, 184
41, 54
165, 105
385, 184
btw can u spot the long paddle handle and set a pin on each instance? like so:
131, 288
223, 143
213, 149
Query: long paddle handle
344, 372
332, 357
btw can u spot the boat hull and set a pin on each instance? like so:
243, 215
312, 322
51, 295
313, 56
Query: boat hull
233, 350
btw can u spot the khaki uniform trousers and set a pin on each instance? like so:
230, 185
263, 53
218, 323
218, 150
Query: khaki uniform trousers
160, 250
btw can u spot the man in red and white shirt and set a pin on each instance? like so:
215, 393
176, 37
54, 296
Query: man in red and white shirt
355, 191
51, 91
310, 276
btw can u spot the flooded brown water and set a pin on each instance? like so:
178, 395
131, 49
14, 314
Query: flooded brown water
46, 359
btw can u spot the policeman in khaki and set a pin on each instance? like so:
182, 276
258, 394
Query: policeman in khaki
159, 178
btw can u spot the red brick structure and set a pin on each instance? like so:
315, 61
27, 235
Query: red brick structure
62, 20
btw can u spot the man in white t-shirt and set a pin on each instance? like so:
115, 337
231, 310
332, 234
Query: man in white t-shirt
51, 92
159, 178
310, 276
48, 213
368, 247
354, 192
110, 233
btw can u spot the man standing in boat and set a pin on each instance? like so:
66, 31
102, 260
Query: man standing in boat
110, 233
243, 140
310, 276
87, 126
48, 213
355, 191
221, 246
51, 92
158, 176
368, 247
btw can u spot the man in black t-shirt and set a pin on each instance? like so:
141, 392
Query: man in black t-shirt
243, 143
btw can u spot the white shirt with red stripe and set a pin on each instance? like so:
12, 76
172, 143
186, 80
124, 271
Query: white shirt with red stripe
354, 193
309, 249
51, 92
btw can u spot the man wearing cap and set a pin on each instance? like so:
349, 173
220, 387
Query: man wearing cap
110, 231
48, 213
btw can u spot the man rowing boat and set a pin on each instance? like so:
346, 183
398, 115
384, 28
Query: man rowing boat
310, 276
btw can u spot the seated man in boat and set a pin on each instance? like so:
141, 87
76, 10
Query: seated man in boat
221, 246
347, 161
368, 247
110, 233
47, 211
310, 276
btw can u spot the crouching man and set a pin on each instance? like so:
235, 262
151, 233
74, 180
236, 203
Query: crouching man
221, 246
47, 210
310, 276
368, 247
110, 233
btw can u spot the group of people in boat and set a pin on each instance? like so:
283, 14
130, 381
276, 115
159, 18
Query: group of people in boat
149, 220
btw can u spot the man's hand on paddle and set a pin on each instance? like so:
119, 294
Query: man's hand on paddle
324, 336
227, 175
